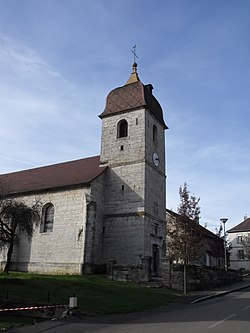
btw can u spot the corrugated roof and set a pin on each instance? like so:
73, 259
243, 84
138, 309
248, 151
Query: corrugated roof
77, 172
243, 226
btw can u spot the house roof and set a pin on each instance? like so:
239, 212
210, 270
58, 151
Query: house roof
203, 231
71, 173
133, 95
243, 226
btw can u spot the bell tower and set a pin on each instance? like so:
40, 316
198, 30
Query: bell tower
133, 148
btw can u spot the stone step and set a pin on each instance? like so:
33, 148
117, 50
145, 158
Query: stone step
155, 282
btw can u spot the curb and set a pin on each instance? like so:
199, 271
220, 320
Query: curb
219, 294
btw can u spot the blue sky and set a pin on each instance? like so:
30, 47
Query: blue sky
60, 58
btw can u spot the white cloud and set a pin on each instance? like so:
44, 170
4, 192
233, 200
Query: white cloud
17, 57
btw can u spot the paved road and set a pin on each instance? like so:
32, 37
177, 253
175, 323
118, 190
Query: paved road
227, 314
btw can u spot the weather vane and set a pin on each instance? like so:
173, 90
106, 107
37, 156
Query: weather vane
133, 51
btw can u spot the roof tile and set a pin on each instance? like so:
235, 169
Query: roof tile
132, 96
70, 173
243, 226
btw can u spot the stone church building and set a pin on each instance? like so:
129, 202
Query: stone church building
101, 209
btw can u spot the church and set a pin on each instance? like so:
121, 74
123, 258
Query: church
101, 209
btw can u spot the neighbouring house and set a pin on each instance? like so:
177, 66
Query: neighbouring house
239, 242
211, 246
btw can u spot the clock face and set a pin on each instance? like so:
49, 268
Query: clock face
156, 159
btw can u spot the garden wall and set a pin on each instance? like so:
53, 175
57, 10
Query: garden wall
140, 273
198, 277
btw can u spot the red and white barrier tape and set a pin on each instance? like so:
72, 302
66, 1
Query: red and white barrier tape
33, 308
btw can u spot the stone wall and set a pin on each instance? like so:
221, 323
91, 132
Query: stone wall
3, 256
198, 277
78, 215
134, 216
62, 250
93, 248
126, 149
124, 239
140, 273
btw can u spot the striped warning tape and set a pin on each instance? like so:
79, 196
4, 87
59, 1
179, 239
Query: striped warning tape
33, 308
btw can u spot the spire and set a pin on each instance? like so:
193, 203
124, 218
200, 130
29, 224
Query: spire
134, 76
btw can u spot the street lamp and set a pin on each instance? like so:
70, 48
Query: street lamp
224, 220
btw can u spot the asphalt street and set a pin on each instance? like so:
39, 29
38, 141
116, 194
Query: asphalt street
229, 314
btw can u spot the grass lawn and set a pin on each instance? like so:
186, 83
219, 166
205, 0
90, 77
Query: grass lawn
95, 294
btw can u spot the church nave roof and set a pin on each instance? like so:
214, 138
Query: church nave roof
65, 174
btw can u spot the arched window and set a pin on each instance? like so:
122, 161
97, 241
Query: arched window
122, 129
47, 218
155, 134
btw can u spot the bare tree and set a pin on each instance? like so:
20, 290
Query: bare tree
189, 205
183, 232
16, 219
218, 232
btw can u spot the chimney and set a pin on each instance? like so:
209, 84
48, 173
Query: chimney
245, 217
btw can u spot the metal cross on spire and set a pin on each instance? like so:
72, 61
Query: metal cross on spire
133, 51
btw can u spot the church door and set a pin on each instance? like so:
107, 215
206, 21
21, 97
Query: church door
156, 259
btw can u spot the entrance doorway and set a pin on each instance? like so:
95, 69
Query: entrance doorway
156, 260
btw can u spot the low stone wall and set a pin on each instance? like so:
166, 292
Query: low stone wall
198, 278
140, 273
46, 268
